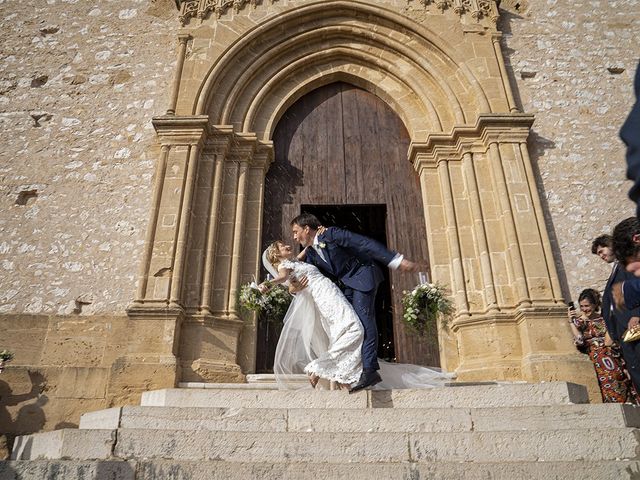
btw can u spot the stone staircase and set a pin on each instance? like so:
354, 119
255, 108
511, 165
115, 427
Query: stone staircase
499, 431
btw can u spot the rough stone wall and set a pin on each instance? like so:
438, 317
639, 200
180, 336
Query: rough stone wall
79, 83
573, 63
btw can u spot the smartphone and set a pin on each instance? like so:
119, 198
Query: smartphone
572, 305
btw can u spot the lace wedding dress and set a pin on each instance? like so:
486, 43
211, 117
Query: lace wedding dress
320, 327
323, 335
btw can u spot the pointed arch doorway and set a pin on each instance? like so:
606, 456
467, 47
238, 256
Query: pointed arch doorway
342, 146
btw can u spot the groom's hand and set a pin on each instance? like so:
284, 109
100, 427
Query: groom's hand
298, 284
409, 266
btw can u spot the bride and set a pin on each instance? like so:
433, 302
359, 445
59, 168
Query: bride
322, 334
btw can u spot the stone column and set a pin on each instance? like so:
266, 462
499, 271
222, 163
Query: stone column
155, 321
219, 148
515, 325
242, 156
217, 344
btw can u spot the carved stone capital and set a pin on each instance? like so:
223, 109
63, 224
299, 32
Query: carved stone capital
489, 128
219, 140
243, 147
263, 156
181, 130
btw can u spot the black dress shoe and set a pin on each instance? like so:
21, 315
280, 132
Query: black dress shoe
367, 379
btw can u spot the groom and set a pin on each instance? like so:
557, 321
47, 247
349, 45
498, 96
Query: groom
350, 260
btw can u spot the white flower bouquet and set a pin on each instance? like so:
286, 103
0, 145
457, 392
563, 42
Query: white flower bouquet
423, 304
273, 304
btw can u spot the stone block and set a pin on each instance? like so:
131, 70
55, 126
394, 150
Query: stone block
379, 420
180, 418
129, 379
66, 443
108, 419
26, 331
263, 447
75, 341
524, 446
217, 470
253, 399
560, 417
82, 382
68, 470
503, 395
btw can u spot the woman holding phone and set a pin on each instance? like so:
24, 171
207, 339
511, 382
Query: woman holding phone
591, 337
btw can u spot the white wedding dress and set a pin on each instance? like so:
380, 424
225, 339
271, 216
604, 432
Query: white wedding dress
322, 334
321, 329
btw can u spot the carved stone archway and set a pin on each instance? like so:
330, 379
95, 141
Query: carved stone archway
440, 67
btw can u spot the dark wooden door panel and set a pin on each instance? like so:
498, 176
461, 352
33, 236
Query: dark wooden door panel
341, 145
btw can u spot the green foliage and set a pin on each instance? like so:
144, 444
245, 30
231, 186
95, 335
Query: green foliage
6, 356
422, 305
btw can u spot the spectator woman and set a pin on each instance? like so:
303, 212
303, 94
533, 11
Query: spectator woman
592, 336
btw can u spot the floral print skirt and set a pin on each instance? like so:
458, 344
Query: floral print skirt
615, 385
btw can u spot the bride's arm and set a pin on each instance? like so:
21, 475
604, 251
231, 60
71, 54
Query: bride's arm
302, 255
283, 276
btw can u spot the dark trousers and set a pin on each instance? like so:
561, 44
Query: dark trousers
364, 303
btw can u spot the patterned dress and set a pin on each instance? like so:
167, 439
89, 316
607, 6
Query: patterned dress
615, 385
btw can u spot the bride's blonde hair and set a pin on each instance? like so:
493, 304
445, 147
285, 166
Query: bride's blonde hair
273, 253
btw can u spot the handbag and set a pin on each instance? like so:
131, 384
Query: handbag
632, 335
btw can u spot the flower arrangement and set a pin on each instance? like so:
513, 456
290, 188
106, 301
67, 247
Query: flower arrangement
422, 306
273, 304
5, 357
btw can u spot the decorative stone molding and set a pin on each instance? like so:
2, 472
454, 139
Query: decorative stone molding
180, 130
476, 8
201, 9
488, 129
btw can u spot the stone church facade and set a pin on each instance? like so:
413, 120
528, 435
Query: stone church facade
138, 136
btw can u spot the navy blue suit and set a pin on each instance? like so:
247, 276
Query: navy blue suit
630, 134
351, 263
616, 322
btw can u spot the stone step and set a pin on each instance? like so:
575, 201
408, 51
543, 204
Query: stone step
320, 447
501, 395
216, 470
366, 420
65, 443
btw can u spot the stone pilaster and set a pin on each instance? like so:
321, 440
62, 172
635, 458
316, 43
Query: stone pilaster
217, 344
480, 196
157, 313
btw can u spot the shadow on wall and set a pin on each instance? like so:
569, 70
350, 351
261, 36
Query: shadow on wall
538, 145
30, 417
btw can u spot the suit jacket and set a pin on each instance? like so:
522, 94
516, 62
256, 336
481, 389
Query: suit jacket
615, 320
351, 258
630, 134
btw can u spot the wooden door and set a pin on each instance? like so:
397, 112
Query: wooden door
341, 145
